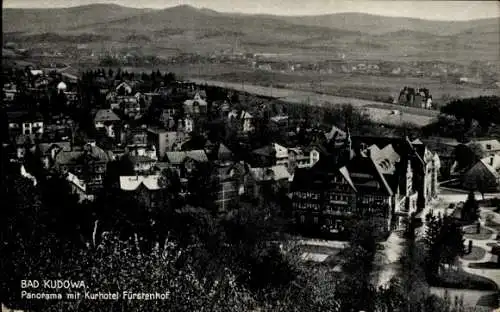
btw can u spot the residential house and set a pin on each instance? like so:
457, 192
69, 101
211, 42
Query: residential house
23, 143
488, 147
195, 106
49, 151
88, 164
9, 92
129, 105
186, 124
79, 187
280, 121
137, 143
124, 88
243, 119
107, 120
336, 137
445, 148
25, 122
142, 164
163, 140
304, 157
263, 157
484, 176
219, 153
147, 189
185, 161
281, 154
231, 181
273, 178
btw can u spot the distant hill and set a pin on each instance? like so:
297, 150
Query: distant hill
62, 19
376, 25
202, 30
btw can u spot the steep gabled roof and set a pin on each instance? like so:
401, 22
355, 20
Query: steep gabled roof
367, 176
179, 157
341, 134
492, 163
106, 115
267, 151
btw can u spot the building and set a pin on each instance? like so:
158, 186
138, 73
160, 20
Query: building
425, 163
273, 178
79, 188
163, 140
25, 123
129, 105
89, 165
281, 154
108, 121
185, 161
145, 188
195, 106
124, 88
488, 147
49, 151
328, 196
484, 176
304, 157
382, 179
243, 120
137, 144
231, 180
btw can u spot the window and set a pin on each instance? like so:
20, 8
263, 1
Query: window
315, 220
488, 146
302, 219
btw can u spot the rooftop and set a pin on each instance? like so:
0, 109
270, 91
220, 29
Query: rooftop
106, 115
132, 183
180, 157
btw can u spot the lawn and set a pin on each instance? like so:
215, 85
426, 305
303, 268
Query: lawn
470, 233
477, 253
463, 280
494, 225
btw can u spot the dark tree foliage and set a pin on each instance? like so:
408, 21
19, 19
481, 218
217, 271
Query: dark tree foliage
467, 118
470, 209
444, 242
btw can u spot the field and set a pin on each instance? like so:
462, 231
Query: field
378, 111
366, 87
369, 92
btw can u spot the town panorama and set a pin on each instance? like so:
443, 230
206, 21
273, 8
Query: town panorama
210, 157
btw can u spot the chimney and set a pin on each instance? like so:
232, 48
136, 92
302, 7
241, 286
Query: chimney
491, 160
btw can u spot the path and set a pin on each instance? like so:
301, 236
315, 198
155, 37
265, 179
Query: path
493, 274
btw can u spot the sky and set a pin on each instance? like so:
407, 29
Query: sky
434, 10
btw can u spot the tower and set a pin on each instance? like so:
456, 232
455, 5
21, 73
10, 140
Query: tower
346, 153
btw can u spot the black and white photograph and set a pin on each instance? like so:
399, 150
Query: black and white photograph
250, 156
